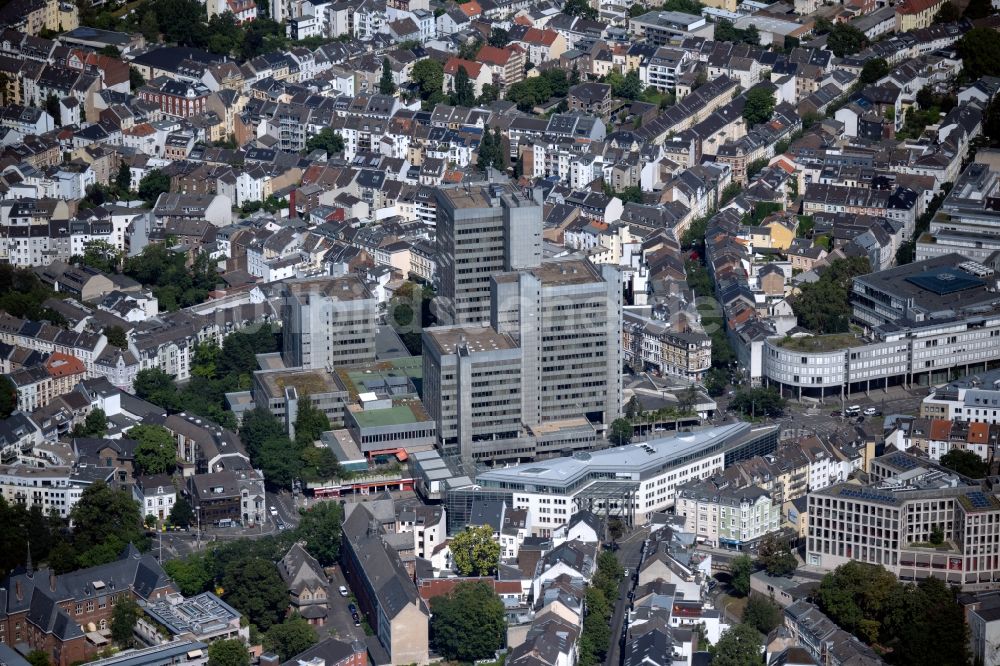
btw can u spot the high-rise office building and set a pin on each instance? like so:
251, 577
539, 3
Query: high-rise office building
482, 230
327, 322
543, 378
566, 315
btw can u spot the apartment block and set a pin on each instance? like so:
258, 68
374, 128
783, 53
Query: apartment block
726, 516
328, 322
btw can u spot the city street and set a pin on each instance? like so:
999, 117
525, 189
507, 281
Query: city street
629, 556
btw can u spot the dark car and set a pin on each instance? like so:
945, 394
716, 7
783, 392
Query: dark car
836, 412
353, 609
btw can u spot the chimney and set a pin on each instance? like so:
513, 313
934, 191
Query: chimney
18, 592
52, 580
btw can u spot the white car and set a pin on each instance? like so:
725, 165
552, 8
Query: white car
343, 591
870, 411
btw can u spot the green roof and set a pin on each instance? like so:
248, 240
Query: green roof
396, 415
821, 343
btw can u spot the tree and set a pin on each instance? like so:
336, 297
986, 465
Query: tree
855, 596
739, 646
978, 9
8, 396
228, 652
759, 105
320, 529
155, 386
464, 93
254, 588
149, 27
123, 179
105, 521
579, 8
740, 568
326, 140
95, 425
468, 623
760, 401
775, 556
980, 51
822, 306
181, 513
293, 636
924, 625
761, 613
499, 38
155, 451
123, 621
876, 68
135, 78
191, 573
310, 423
633, 408
937, 535
116, 337
949, 13
630, 86
844, 39
620, 432
386, 85
428, 74
490, 94
152, 185
965, 462
475, 552
38, 658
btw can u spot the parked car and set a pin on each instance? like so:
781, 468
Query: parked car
353, 609
836, 412
343, 591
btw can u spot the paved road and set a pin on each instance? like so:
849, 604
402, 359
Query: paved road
630, 556
339, 623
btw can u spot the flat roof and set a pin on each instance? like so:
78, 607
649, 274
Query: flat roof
624, 461
305, 382
566, 271
342, 288
399, 414
478, 338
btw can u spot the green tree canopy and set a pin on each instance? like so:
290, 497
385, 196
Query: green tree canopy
739, 646
326, 140
966, 462
38, 658
822, 306
844, 39
580, 8
191, 573
620, 432
116, 336
310, 423
8, 396
254, 588
105, 520
95, 425
875, 69
228, 652
758, 401
181, 513
980, 51
759, 105
155, 450
775, 556
469, 623
475, 552
761, 613
386, 84
463, 92
428, 74
123, 621
855, 596
740, 568
152, 185
293, 636
320, 529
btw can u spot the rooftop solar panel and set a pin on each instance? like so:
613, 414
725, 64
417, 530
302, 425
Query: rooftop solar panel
945, 281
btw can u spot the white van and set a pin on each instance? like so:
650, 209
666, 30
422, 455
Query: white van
853, 410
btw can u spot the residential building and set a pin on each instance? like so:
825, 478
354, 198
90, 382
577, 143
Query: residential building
725, 516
